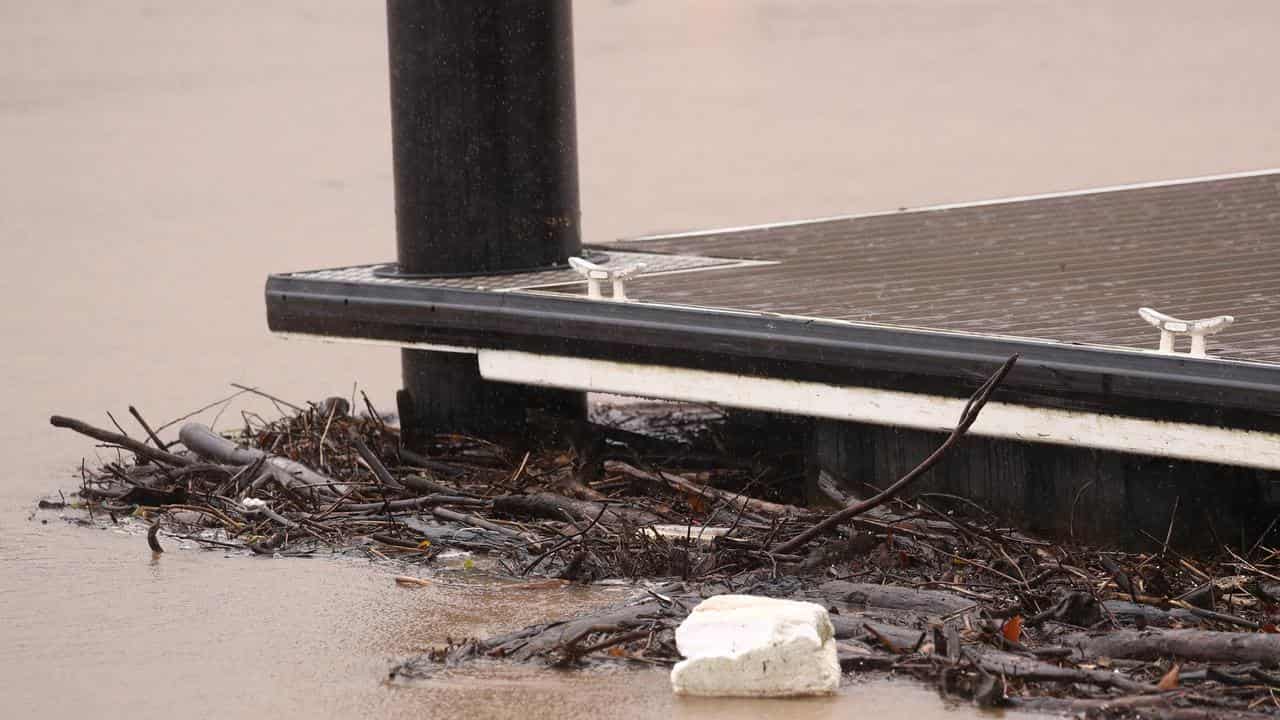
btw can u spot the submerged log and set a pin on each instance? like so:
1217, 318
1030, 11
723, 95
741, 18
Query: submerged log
461, 537
889, 597
1011, 665
541, 641
1198, 645
1162, 706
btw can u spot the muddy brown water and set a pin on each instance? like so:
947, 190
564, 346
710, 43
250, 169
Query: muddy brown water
160, 158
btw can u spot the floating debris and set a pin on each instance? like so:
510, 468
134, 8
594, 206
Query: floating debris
929, 586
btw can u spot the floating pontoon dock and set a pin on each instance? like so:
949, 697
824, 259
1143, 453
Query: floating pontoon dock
1147, 317
924, 302
891, 319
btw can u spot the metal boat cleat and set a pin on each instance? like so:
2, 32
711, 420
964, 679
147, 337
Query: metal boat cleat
596, 274
1170, 327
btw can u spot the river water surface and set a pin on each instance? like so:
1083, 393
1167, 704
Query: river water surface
157, 160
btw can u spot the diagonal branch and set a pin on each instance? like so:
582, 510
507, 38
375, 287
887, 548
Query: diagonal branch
159, 455
967, 418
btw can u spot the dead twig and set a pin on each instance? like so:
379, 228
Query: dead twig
970, 415
150, 433
128, 443
152, 537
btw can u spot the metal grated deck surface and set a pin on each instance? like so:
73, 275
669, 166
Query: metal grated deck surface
657, 264
1071, 267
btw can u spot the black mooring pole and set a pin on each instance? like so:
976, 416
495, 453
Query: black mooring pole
486, 176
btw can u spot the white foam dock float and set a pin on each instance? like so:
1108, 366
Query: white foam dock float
750, 646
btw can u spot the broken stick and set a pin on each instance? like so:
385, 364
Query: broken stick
967, 418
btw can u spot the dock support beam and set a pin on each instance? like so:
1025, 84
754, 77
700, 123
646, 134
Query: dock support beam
484, 145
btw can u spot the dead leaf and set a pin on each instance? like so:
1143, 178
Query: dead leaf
1012, 629
885, 641
1270, 628
1170, 679
616, 651
696, 503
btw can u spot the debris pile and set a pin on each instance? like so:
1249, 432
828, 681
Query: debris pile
932, 586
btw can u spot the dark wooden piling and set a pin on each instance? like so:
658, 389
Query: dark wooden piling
483, 135
486, 180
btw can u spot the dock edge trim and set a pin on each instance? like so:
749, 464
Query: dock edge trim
1159, 438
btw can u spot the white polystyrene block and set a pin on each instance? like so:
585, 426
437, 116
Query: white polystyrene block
749, 646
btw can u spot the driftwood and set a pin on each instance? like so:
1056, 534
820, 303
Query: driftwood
543, 640
1128, 611
1073, 607
967, 418
137, 448
1165, 706
423, 484
419, 482
890, 597
375, 465
206, 443
1197, 645
673, 481
894, 638
411, 503
472, 520
463, 538
447, 469
948, 597
558, 507
1011, 665
153, 540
